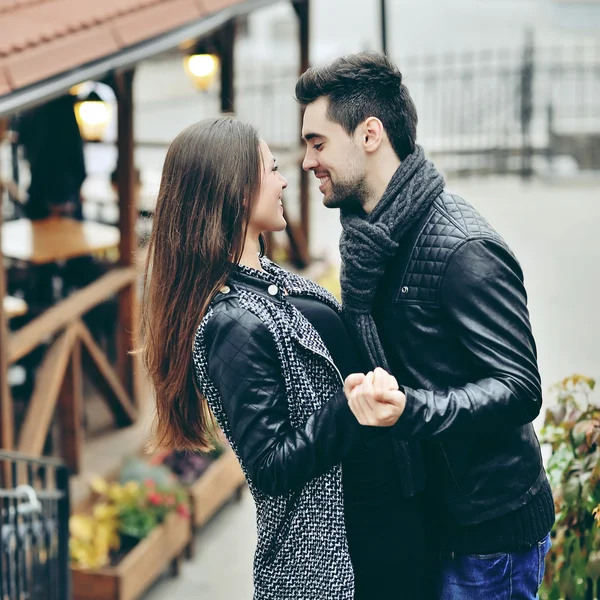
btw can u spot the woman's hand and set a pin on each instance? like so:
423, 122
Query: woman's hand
374, 398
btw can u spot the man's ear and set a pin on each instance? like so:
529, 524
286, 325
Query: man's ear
373, 134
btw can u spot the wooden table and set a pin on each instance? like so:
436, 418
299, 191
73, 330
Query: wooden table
56, 238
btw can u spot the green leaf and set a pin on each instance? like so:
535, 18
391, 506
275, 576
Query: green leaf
556, 415
572, 491
136, 522
584, 435
566, 583
592, 569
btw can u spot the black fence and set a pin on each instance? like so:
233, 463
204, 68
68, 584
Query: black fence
507, 111
523, 110
34, 528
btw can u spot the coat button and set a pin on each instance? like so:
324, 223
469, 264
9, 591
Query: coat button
273, 290
225, 289
404, 289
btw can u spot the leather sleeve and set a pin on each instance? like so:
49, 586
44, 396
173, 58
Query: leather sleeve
483, 298
243, 365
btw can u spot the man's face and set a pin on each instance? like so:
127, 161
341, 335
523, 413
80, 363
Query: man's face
334, 157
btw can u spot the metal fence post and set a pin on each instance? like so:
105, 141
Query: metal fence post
34, 528
64, 511
526, 105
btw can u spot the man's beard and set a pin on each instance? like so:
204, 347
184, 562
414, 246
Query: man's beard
348, 194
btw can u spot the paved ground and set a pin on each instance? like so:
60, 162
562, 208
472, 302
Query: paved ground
222, 566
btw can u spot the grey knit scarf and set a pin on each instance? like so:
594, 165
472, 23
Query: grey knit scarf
368, 242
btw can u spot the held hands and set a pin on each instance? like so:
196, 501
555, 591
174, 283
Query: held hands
374, 398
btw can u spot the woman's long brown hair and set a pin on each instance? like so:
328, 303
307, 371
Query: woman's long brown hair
210, 181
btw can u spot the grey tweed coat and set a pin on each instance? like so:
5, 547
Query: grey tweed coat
302, 552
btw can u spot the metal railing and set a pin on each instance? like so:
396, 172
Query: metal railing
34, 528
507, 111
493, 111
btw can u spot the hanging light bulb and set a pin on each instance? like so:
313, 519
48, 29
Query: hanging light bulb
201, 69
93, 116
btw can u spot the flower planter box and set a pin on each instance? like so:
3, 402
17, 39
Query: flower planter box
134, 574
223, 479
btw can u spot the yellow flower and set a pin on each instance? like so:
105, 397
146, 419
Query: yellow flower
131, 491
99, 485
81, 527
105, 512
108, 536
93, 537
116, 493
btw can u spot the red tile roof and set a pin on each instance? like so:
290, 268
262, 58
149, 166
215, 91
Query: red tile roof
42, 38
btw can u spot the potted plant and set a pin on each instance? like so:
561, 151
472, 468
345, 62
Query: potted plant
572, 429
133, 531
211, 478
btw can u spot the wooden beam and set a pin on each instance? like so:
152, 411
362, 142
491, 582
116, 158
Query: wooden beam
299, 249
43, 401
7, 426
303, 12
127, 222
102, 375
60, 315
70, 411
226, 43
127, 363
126, 168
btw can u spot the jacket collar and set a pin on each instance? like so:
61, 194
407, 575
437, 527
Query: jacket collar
259, 282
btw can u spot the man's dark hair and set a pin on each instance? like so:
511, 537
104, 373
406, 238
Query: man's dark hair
364, 85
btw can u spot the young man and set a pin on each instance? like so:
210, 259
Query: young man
437, 299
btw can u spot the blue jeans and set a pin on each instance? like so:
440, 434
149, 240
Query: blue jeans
501, 576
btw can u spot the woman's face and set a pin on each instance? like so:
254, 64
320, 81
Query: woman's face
267, 214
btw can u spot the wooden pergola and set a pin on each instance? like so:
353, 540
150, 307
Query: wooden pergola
72, 350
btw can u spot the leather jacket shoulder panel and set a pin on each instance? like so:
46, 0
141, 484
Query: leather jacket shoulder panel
463, 216
244, 367
450, 222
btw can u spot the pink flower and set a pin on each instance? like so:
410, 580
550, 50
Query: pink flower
155, 498
183, 511
149, 483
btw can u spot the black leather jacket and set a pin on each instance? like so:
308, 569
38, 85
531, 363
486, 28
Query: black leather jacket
452, 315
244, 365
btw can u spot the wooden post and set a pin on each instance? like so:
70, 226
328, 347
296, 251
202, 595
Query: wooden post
70, 411
128, 309
303, 12
7, 425
226, 50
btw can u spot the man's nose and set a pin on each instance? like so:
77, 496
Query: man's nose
309, 162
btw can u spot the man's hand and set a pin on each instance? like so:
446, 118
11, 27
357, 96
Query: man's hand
375, 398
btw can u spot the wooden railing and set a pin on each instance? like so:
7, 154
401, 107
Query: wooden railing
58, 383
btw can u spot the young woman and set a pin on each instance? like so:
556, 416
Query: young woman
267, 352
